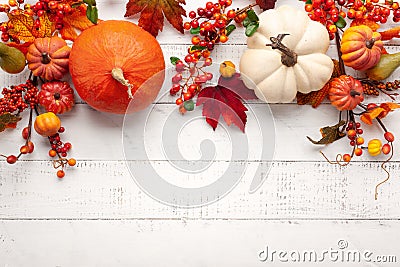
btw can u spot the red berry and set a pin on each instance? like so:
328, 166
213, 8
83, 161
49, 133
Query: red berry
188, 58
60, 174
187, 26
25, 133
371, 106
177, 78
194, 23
231, 14
386, 149
61, 130
179, 101
192, 14
389, 136
192, 88
11, 159
24, 149
209, 5
187, 96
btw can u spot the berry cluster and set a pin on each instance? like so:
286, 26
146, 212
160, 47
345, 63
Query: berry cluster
354, 133
57, 146
55, 10
374, 87
18, 98
188, 81
332, 12
60, 149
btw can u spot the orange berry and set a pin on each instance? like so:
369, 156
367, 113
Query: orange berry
346, 157
359, 141
223, 38
358, 151
60, 174
351, 133
24, 149
386, 149
52, 153
71, 162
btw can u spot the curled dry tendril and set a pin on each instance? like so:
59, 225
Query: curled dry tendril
338, 160
387, 172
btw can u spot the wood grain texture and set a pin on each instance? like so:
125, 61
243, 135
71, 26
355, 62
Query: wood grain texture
195, 243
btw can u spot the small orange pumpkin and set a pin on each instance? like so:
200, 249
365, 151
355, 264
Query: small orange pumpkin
111, 64
345, 92
47, 124
361, 47
48, 57
56, 96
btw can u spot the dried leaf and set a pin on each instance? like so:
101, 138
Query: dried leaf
330, 134
77, 21
8, 120
266, 4
378, 112
225, 100
152, 13
23, 27
390, 34
315, 98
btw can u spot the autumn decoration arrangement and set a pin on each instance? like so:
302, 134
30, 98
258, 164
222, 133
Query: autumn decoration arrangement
283, 62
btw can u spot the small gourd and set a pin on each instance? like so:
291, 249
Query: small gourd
47, 124
286, 55
12, 60
48, 57
361, 47
374, 147
56, 96
227, 69
345, 92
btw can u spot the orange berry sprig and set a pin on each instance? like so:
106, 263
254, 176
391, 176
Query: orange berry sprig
331, 13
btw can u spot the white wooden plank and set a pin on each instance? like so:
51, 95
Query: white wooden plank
98, 136
104, 189
196, 243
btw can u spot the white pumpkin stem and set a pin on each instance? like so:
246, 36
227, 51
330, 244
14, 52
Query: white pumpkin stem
118, 75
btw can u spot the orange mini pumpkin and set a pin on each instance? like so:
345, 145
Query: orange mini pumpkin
361, 47
345, 92
111, 65
47, 124
48, 57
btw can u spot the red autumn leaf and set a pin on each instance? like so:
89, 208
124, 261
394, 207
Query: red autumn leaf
236, 85
152, 13
391, 33
266, 4
225, 100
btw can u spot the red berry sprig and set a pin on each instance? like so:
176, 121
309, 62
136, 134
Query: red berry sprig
18, 98
331, 13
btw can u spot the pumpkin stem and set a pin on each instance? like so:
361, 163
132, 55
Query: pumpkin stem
118, 75
289, 57
57, 96
45, 58
354, 93
370, 43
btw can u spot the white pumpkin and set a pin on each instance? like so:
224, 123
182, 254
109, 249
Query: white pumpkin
262, 66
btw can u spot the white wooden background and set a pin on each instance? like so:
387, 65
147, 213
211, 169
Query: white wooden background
97, 216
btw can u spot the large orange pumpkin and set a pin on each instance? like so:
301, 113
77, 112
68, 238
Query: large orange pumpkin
110, 64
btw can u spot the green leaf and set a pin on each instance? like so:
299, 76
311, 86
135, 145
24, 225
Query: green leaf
341, 23
229, 29
75, 5
252, 15
195, 30
91, 14
251, 29
308, 2
330, 134
8, 120
188, 105
174, 60
90, 2
197, 47
246, 22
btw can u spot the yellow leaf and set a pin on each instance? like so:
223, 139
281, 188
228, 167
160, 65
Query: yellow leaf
22, 27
